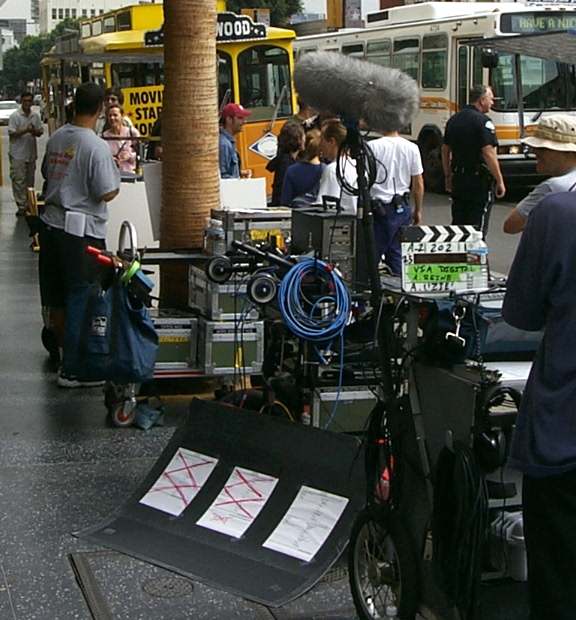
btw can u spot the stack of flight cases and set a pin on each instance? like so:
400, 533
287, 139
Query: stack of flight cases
230, 336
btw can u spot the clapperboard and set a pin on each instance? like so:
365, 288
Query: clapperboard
438, 259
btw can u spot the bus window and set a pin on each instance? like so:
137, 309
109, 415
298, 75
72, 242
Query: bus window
85, 30
225, 83
353, 49
405, 55
263, 71
109, 24
127, 75
379, 52
305, 50
477, 67
124, 21
503, 84
96, 27
434, 60
462, 76
546, 84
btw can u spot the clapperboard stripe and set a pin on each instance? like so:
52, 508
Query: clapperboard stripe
435, 234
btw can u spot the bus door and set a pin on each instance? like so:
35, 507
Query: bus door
462, 76
469, 71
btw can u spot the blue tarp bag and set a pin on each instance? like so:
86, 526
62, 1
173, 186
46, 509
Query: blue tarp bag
108, 335
485, 333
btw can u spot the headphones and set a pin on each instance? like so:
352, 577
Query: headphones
491, 443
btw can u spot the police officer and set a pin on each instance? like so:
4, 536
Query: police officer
471, 168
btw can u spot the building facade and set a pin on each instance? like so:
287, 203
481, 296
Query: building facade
17, 28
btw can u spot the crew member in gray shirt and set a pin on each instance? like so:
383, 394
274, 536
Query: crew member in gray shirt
24, 126
554, 145
81, 178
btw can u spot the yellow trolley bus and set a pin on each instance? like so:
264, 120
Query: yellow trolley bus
125, 48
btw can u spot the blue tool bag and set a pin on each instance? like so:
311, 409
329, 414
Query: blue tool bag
108, 335
455, 331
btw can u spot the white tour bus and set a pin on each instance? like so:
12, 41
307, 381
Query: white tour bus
449, 46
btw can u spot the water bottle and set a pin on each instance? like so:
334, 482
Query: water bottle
477, 257
391, 612
214, 237
477, 247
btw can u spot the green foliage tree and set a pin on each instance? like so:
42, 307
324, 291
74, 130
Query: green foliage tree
280, 10
21, 64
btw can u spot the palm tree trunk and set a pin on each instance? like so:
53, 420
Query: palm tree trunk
190, 185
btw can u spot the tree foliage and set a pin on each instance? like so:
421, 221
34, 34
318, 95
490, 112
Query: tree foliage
280, 10
21, 64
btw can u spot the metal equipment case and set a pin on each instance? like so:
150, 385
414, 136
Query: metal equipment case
353, 406
178, 337
222, 302
254, 225
230, 347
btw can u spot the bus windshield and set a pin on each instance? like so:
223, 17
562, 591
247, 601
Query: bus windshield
264, 71
546, 84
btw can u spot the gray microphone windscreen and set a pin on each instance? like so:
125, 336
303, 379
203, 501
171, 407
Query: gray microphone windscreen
386, 98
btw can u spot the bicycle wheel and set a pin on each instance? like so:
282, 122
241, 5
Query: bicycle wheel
382, 568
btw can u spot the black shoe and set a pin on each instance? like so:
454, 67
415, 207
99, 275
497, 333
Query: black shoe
69, 381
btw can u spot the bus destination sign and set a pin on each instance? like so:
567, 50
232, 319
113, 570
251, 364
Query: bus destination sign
230, 28
534, 22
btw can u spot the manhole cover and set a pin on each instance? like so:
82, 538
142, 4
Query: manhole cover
168, 587
335, 574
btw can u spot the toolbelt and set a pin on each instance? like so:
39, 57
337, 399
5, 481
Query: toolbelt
378, 206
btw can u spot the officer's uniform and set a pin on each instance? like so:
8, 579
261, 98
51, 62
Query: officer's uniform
467, 132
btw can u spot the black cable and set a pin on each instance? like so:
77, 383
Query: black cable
459, 527
352, 147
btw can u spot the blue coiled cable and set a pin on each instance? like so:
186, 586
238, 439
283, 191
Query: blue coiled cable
320, 320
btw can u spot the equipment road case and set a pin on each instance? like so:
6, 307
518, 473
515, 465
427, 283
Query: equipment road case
255, 225
177, 339
230, 347
344, 409
219, 302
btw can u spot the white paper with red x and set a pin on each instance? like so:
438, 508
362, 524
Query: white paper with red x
239, 502
180, 482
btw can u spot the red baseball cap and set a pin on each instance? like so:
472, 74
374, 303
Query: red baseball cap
234, 109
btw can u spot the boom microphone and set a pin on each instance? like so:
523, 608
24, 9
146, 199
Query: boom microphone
387, 99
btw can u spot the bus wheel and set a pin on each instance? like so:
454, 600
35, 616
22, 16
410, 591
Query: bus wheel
382, 568
432, 163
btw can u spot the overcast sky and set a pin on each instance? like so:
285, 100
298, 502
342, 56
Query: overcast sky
319, 6
15, 8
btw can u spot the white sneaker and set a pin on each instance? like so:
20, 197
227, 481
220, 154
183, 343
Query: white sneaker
70, 381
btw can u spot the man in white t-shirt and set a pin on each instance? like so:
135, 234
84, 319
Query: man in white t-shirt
399, 170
